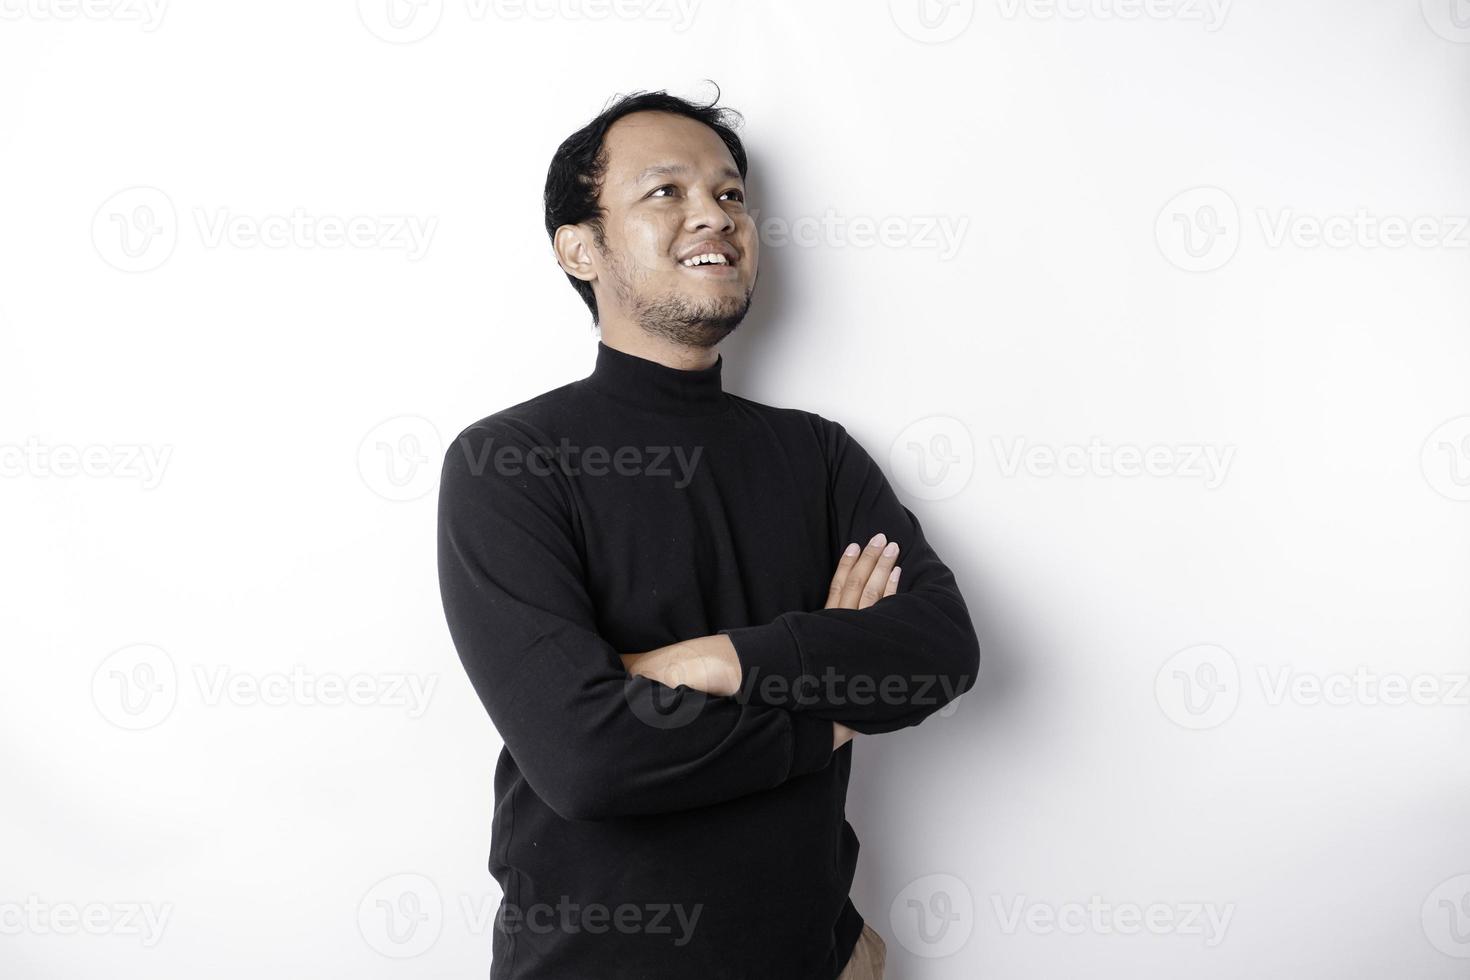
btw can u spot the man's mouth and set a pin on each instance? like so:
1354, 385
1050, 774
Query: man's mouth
710, 263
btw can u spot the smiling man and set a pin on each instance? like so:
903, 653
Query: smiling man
677, 657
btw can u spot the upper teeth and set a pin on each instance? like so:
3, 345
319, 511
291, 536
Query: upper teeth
707, 258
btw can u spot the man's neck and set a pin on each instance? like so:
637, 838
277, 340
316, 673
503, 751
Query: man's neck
632, 339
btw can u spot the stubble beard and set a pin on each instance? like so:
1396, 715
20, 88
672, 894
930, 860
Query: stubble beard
678, 318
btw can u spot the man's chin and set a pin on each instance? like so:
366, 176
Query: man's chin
694, 333
693, 321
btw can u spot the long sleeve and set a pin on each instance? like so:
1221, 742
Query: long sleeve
592, 741
878, 669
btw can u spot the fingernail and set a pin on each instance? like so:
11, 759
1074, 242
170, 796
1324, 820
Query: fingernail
852, 549
893, 575
891, 550
876, 540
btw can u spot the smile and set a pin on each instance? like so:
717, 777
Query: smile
708, 258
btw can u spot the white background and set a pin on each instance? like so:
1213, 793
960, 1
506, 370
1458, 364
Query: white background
1132, 191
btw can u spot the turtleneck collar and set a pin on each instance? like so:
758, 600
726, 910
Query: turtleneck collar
657, 387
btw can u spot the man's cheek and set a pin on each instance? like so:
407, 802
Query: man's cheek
647, 241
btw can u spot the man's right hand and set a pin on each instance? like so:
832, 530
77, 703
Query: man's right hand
863, 576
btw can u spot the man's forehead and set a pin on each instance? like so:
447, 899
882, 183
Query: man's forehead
672, 169
649, 144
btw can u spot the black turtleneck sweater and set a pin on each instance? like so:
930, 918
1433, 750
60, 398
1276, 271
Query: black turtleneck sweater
656, 832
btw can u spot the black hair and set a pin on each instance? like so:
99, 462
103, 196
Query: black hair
577, 168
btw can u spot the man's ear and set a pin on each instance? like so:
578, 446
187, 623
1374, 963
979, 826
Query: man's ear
573, 247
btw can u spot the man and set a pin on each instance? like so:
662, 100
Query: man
677, 605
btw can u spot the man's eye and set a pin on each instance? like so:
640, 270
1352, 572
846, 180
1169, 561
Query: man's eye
738, 195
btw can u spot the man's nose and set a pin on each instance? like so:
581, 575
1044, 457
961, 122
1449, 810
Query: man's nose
705, 212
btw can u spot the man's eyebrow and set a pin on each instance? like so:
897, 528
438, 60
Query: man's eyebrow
669, 169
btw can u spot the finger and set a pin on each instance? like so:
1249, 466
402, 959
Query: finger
878, 577
839, 578
891, 586
858, 577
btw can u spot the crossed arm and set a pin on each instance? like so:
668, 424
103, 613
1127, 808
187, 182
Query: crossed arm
598, 741
712, 664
